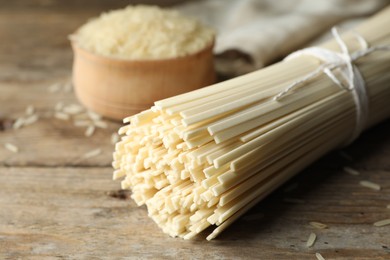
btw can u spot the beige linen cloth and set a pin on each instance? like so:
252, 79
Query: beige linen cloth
254, 33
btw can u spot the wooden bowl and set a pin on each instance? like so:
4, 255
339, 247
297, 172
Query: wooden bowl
117, 88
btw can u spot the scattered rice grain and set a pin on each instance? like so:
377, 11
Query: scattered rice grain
382, 223
55, 87
351, 171
318, 225
82, 115
18, 123
93, 153
31, 119
89, 131
100, 124
94, 116
319, 256
82, 123
311, 240
114, 138
11, 147
30, 110
59, 106
388, 206
73, 109
370, 185
61, 116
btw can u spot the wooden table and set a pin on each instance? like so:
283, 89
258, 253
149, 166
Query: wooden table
56, 204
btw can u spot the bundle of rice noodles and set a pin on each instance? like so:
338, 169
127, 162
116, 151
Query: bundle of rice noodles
206, 157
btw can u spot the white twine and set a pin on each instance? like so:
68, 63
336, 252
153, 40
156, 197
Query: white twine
344, 61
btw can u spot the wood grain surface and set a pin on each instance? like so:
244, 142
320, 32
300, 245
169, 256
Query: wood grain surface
55, 204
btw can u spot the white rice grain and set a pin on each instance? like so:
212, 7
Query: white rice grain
89, 131
382, 223
73, 109
81, 122
83, 116
100, 124
311, 240
388, 206
351, 171
18, 123
92, 153
319, 256
59, 106
318, 225
114, 138
94, 116
30, 110
61, 116
55, 87
11, 147
370, 185
31, 119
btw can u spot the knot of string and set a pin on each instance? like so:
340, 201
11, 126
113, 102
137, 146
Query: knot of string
344, 61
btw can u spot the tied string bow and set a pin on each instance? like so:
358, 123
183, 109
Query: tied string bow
344, 61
